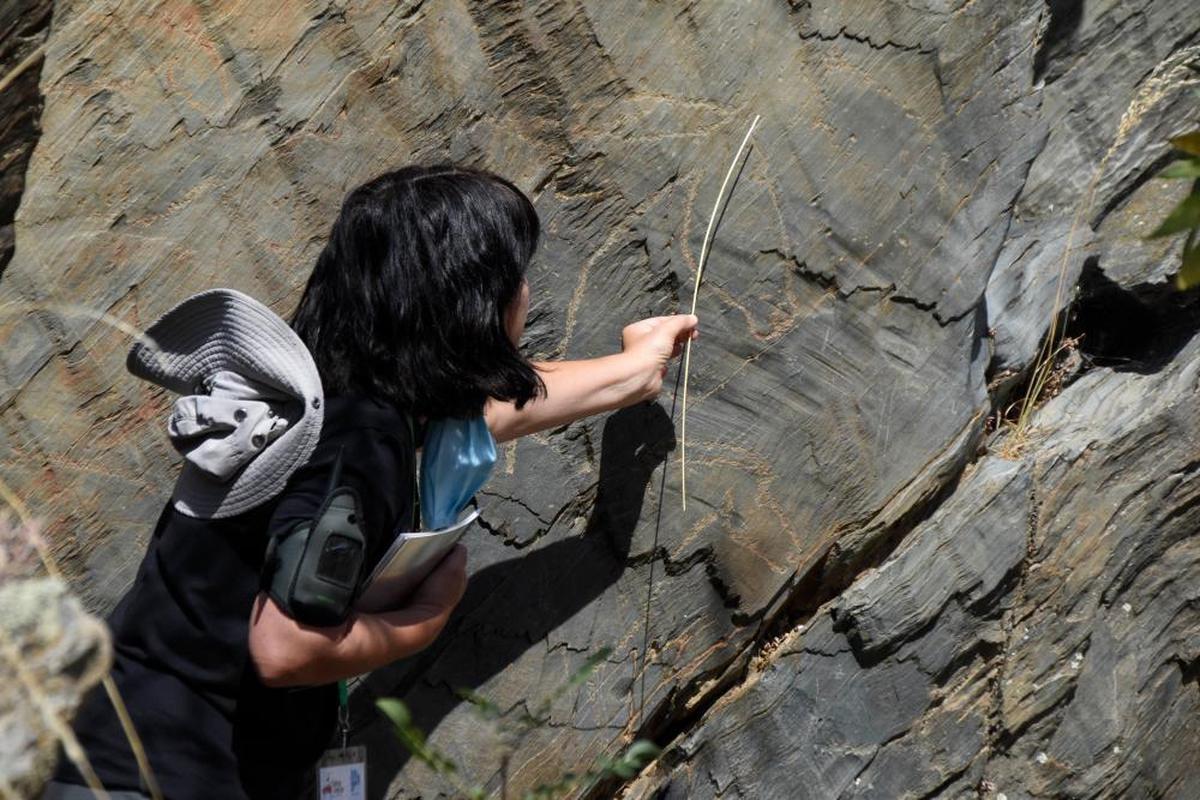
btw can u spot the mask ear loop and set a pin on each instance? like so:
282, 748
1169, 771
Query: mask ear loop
416, 490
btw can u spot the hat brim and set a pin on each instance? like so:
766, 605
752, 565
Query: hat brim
224, 329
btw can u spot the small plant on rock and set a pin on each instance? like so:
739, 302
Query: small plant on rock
513, 727
1185, 217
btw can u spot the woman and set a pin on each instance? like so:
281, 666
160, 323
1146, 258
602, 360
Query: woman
412, 316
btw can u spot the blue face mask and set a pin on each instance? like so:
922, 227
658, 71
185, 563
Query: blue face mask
456, 460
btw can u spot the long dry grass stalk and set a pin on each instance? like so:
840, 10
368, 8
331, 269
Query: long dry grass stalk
25, 64
687, 348
78, 310
1048, 353
1043, 367
71, 746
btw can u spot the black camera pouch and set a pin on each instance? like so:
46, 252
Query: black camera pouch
312, 570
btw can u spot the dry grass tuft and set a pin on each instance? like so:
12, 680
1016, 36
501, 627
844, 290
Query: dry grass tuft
1048, 380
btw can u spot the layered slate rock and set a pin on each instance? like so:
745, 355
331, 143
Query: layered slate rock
922, 176
1037, 637
1116, 83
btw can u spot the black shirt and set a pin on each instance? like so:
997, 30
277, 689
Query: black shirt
181, 659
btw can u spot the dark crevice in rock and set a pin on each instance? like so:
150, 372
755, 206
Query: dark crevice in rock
23, 28
668, 283
888, 291
1131, 329
949, 780
932, 308
912, 301
801, 268
578, 505
833, 573
518, 501
1007, 390
1065, 18
1189, 672
862, 38
675, 567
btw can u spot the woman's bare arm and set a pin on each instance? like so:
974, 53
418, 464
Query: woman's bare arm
576, 389
288, 653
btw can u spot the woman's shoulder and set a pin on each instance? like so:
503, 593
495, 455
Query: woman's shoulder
368, 444
346, 413
374, 438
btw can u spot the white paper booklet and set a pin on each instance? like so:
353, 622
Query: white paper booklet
411, 557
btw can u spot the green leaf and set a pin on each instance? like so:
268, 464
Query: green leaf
411, 736
1184, 217
1183, 168
1188, 143
642, 752
638, 755
395, 710
1189, 271
584, 672
589, 666
485, 707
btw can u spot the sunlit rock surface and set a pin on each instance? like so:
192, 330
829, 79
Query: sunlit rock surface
856, 592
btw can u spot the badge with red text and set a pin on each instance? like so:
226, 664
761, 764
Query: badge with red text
342, 774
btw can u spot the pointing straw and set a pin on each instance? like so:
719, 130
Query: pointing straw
687, 353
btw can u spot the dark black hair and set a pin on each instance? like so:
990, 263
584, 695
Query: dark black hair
407, 302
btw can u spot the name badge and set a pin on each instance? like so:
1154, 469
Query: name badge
342, 774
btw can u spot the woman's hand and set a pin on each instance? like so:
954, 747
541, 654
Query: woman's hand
289, 653
577, 389
437, 595
654, 342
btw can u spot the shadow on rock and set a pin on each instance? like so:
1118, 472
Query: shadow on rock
513, 605
1131, 329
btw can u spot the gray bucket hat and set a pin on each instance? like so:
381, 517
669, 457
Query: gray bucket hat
251, 407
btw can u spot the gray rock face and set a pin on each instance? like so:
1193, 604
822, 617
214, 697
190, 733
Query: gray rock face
923, 175
877, 698
60, 651
1036, 637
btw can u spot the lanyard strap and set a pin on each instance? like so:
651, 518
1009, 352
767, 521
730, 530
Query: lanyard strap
343, 712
